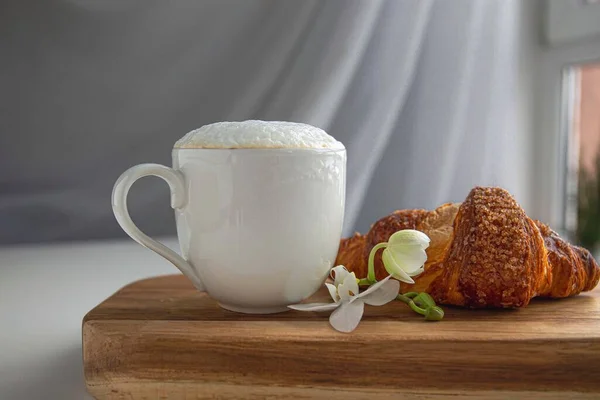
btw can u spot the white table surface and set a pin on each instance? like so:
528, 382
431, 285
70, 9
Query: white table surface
44, 293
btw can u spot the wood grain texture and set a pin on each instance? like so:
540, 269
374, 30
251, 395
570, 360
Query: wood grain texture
160, 338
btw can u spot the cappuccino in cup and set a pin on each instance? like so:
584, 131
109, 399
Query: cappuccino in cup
258, 206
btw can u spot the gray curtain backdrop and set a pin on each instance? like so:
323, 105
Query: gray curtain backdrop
424, 94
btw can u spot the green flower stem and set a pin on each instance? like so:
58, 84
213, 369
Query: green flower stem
431, 312
404, 298
371, 266
411, 304
365, 282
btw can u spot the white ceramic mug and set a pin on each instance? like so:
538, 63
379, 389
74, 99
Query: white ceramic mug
259, 229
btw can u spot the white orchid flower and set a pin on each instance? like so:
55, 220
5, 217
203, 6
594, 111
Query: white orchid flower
404, 255
348, 303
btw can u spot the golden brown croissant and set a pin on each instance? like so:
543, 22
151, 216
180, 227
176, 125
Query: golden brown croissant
484, 252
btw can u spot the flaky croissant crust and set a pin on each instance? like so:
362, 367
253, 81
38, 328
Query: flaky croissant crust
484, 252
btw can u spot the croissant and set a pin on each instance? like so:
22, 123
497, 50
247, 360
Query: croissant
484, 252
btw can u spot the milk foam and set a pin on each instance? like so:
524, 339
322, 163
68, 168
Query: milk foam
258, 135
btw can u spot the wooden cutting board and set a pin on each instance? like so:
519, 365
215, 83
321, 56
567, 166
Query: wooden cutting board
160, 338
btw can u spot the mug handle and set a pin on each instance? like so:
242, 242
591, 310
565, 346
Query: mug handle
178, 200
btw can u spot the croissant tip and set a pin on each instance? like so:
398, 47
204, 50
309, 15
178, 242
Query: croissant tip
591, 266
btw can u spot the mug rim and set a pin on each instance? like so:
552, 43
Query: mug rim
263, 149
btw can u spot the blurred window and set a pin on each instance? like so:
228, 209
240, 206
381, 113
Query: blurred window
582, 125
568, 120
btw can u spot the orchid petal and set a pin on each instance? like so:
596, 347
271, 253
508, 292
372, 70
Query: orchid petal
410, 237
409, 257
314, 306
374, 286
383, 295
347, 317
393, 268
333, 292
338, 274
348, 288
